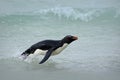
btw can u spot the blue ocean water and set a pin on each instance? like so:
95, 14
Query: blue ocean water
95, 55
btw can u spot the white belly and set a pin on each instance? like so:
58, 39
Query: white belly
57, 51
43, 52
40, 52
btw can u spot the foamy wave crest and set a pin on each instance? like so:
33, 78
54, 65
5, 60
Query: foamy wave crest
71, 13
68, 13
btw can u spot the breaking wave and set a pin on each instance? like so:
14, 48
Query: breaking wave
70, 13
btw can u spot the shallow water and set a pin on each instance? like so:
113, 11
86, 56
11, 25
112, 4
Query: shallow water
94, 56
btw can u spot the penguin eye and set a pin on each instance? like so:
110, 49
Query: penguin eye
69, 37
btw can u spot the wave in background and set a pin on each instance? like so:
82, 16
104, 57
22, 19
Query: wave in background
65, 13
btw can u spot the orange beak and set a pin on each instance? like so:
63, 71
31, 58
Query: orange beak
75, 38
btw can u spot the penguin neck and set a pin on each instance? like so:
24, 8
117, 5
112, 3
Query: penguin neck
64, 41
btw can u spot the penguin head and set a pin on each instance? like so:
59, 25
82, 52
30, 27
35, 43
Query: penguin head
68, 39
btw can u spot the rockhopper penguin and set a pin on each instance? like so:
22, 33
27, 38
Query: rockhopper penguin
49, 47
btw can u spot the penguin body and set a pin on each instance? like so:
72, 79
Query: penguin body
49, 47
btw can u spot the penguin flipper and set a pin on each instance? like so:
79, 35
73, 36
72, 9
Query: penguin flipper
48, 54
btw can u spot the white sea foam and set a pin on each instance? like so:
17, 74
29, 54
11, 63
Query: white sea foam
69, 12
